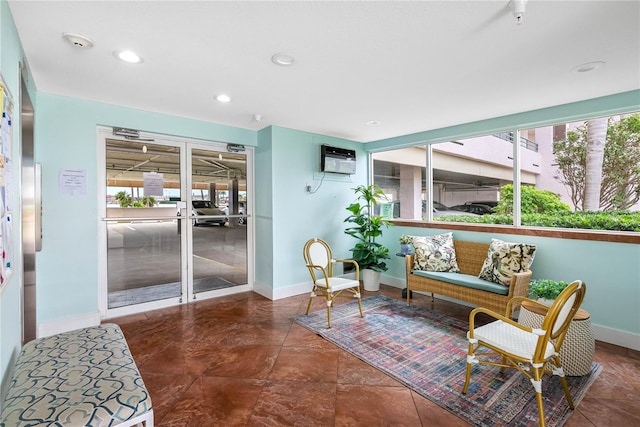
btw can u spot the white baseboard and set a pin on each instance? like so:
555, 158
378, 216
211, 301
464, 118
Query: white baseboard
262, 289
290, 291
299, 289
616, 337
53, 327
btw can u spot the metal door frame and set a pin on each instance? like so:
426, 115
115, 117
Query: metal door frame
186, 254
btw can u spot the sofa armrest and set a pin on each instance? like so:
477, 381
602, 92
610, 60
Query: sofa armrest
520, 285
408, 260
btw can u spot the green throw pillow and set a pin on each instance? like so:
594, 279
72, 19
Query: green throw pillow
504, 259
435, 253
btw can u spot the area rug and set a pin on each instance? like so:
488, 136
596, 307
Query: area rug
427, 351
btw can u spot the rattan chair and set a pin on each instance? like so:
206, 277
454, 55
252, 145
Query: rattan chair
525, 348
319, 259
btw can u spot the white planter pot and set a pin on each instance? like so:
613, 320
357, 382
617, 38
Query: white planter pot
371, 280
547, 302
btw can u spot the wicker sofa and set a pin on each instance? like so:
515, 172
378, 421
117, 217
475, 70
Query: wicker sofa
465, 285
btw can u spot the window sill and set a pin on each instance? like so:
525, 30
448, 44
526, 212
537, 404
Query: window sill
559, 233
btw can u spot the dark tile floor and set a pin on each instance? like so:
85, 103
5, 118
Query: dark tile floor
240, 361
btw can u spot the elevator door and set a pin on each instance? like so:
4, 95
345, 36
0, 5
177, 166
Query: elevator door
174, 226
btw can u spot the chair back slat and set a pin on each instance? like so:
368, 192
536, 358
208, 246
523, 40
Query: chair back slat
562, 311
318, 254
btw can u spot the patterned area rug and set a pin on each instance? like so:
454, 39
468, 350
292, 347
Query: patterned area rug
427, 351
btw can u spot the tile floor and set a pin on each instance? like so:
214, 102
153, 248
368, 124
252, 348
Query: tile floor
240, 361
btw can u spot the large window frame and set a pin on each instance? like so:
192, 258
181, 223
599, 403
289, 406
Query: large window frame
430, 138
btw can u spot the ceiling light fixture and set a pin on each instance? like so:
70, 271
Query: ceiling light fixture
78, 40
518, 7
283, 59
223, 98
373, 122
589, 66
127, 56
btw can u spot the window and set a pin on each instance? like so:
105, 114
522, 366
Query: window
473, 178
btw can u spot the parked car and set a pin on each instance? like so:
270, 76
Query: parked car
442, 210
202, 208
437, 213
474, 208
242, 210
436, 205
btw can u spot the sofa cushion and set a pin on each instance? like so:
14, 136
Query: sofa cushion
506, 258
466, 280
435, 253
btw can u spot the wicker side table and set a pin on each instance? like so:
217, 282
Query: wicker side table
579, 345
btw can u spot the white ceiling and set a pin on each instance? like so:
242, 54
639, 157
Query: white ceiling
412, 66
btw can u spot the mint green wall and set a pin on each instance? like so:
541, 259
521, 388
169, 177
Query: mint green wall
610, 270
10, 298
65, 138
295, 215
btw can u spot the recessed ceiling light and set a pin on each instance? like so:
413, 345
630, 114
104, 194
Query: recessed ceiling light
223, 98
127, 56
78, 40
373, 122
589, 66
283, 59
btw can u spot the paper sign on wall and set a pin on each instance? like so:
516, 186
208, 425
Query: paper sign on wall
73, 182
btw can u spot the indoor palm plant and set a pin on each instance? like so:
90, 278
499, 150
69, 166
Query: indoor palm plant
366, 227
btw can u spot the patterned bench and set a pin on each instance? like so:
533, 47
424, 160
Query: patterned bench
79, 378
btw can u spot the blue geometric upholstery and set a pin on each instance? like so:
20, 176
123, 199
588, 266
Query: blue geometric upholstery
85, 377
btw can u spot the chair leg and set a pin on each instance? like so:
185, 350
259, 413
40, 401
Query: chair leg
329, 303
313, 294
567, 393
468, 378
359, 296
556, 369
537, 385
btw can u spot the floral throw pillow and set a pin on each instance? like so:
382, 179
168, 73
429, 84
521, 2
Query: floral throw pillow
435, 253
504, 259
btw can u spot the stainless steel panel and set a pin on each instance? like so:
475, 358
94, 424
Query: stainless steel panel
37, 171
29, 319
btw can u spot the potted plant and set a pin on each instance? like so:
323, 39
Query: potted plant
545, 290
406, 243
366, 227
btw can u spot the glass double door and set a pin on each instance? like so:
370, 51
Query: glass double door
176, 222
